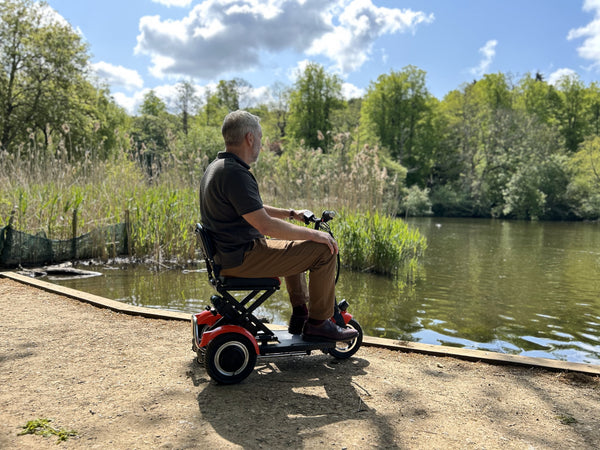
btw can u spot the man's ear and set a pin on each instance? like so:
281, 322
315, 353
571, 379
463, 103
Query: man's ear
249, 138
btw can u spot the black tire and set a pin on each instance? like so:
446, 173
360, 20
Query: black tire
229, 358
345, 349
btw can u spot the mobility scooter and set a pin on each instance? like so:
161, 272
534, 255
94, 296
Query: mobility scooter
228, 337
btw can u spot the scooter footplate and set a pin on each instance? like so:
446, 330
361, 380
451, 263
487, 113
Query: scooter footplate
290, 343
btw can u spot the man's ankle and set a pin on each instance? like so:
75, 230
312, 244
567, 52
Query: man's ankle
300, 310
315, 321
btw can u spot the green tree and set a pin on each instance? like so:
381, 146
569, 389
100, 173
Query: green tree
535, 173
280, 106
573, 124
538, 98
315, 96
232, 94
480, 131
187, 102
584, 183
393, 107
213, 109
152, 133
347, 118
393, 110
42, 82
593, 112
455, 181
501, 159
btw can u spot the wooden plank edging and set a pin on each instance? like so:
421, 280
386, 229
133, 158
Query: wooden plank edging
96, 300
416, 347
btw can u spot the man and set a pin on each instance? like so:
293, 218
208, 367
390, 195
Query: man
233, 212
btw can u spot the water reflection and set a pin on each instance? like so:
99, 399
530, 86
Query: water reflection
515, 287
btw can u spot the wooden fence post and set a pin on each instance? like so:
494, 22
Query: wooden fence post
128, 232
12, 217
74, 240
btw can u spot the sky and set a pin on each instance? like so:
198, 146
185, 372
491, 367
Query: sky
138, 45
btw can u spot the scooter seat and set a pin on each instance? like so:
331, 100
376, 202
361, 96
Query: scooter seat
249, 283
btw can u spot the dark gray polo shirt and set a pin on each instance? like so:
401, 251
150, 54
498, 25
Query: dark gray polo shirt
227, 191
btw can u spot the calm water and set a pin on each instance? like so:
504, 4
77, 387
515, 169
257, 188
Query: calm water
513, 287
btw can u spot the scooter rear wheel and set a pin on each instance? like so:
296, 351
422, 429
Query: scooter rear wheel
229, 358
344, 350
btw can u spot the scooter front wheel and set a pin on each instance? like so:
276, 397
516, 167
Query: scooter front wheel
229, 358
345, 349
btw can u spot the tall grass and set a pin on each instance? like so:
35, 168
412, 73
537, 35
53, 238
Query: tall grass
343, 179
372, 242
42, 192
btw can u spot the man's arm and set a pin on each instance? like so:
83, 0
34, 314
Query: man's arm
280, 213
268, 221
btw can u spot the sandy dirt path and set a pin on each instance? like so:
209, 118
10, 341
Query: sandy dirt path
125, 382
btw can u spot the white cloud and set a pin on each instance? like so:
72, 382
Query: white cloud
118, 75
51, 16
169, 3
488, 52
349, 91
129, 103
218, 37
590, 49
384, 56
349, 44
559, 74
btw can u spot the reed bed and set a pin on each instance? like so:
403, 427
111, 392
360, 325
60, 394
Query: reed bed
44, 193
373, 242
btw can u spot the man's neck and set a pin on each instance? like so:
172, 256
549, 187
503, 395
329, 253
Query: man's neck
240, 151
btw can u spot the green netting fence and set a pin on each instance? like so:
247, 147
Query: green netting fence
22, 249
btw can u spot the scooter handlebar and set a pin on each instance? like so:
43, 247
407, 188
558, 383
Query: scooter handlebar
309, 216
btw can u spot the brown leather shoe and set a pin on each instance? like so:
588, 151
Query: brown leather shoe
327, 331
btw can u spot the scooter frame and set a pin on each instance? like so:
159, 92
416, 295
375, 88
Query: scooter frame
228, 337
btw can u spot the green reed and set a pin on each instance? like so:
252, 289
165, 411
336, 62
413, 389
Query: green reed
46, 193
373, 242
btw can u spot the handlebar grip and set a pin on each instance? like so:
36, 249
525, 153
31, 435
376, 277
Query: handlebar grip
309, 217
328, 215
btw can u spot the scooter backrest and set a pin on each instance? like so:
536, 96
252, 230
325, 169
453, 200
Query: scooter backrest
208, 250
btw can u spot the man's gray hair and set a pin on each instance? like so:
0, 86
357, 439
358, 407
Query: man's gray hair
237, 124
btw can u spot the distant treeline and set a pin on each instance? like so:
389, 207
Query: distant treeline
496, 147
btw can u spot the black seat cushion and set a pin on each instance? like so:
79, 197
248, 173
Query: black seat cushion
249, 283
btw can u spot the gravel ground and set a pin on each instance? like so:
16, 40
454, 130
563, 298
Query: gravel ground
125, 382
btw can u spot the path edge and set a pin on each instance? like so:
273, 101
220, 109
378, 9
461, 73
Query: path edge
403, 346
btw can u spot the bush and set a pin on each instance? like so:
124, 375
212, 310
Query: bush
416, 202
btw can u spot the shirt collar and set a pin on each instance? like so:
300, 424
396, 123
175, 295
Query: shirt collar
223, 155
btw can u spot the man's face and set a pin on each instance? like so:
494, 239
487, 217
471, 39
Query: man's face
256, 145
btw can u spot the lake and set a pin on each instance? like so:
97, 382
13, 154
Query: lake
527, 288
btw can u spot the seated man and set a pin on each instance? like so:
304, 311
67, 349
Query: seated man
233, 211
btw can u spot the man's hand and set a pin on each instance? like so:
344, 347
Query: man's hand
329, 241
298, 215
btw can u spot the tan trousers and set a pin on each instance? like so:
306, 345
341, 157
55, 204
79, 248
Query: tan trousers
291, 259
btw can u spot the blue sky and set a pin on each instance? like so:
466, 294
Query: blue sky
137, 45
